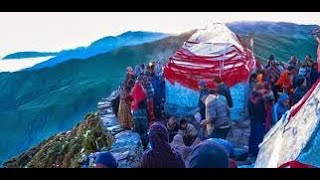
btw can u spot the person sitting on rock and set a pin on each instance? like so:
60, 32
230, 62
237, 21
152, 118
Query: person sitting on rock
161, 154
188, 129
223, 90
280, 108
140, 113
105, 160
181, 143
218, 121
173, 128
208, 154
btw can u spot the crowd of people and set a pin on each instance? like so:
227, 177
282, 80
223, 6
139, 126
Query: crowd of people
200, 141
274, 89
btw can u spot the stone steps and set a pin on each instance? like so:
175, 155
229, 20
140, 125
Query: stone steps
127, 148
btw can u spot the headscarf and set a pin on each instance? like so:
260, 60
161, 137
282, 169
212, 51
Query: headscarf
161, 155
284, 79
283, 97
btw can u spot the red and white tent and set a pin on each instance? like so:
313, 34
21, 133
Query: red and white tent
213, 51
210, 52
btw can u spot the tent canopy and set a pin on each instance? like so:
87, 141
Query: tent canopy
212, 51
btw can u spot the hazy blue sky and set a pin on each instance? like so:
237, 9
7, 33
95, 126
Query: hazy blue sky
48, 31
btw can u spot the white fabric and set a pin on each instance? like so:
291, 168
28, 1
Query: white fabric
216, 39
286, 140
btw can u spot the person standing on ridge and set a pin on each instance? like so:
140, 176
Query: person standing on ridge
217, 121
139, 108
223, 90
150, 94
257, 113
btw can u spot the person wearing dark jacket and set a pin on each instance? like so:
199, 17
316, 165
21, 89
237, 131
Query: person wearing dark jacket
257, 113
218, 121
159, 94
161, 154
223, 90
314, 74
300, 90
203, 92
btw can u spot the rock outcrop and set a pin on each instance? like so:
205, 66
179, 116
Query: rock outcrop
66, 149
80, 146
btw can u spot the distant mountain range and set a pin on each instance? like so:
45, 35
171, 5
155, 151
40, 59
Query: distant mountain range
29, 54
37, 104
103, 45
280, 39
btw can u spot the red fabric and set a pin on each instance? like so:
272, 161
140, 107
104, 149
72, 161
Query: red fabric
138, 94
295, 164
303, 100
284, 81
188, 69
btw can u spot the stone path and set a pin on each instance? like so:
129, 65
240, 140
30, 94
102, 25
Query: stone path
127, 147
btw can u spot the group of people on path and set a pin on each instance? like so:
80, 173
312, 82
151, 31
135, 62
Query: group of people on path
141, 98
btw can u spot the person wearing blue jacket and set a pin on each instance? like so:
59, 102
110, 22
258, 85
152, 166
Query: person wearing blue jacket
280, 108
